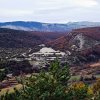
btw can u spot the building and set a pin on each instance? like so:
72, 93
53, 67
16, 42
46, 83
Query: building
48, 54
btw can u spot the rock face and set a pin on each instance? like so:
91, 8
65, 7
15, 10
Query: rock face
84, 44
82, 38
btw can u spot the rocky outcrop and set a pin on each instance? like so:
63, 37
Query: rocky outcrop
84, 44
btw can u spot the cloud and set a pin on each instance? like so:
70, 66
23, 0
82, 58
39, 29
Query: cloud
58, 6
51, 4
85, 3
49, 10
14, 13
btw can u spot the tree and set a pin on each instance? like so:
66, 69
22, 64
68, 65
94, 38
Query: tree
2, 74
51, 85
96, 89
80, 91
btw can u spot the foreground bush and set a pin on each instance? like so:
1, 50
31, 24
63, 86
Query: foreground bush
81, 91
96, 90
52, 85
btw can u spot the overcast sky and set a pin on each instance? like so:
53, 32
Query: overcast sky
52, 11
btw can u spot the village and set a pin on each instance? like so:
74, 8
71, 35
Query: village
30, 62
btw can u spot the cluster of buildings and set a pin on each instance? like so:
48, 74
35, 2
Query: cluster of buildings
42, 57
47, 54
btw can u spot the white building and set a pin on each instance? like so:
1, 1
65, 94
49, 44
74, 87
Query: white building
47, 54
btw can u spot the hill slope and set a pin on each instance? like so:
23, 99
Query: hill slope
14, 38
82, 39
82, 46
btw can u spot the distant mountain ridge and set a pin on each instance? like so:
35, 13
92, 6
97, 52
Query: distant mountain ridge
47, 27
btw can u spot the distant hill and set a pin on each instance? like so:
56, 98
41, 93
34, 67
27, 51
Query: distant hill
83, 39
82, 45
10, 38
47, 27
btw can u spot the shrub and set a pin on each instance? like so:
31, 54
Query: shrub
80, 91
96, 90
54, 85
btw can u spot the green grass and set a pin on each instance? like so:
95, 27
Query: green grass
76, 78
2, 69
98, 76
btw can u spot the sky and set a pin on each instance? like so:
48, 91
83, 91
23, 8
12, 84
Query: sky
50, 11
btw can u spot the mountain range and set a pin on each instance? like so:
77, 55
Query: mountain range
82, 43
47, 27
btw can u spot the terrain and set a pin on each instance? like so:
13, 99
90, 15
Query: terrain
10, 38
84, 39
83, 46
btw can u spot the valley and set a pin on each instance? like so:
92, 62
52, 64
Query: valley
49, 49
23, 53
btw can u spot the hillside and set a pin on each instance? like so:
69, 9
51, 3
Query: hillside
83, 44
78, 37
18, 39
93, 32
